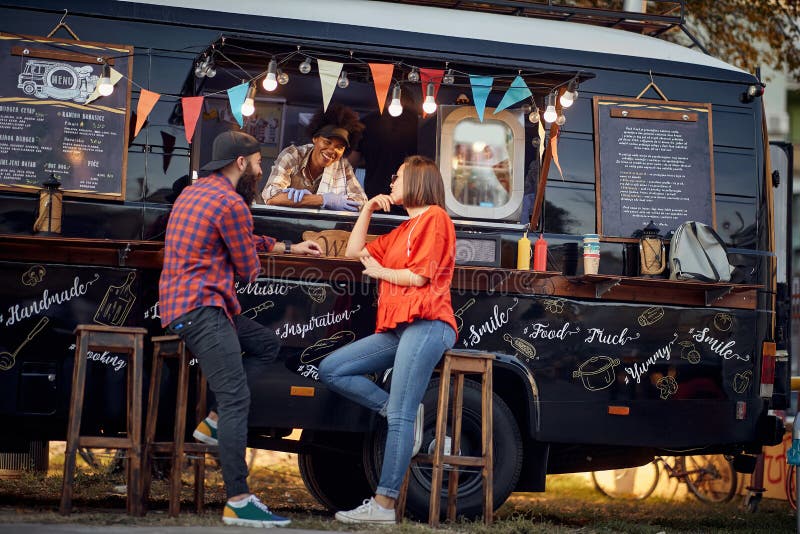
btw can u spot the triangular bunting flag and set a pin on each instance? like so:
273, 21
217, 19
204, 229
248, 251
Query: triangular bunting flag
115, 76
430, 76
147, 99
328, 76
236, 96
518, 91
191, 112
481, 87
382, 78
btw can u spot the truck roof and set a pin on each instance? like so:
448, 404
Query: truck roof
464, 24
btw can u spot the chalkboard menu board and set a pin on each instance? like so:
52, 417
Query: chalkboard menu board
46, 125
653, 161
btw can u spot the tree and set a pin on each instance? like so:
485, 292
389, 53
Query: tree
745, 33
748, 33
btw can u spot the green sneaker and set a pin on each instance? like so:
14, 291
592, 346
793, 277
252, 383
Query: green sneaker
251, 512
206, 432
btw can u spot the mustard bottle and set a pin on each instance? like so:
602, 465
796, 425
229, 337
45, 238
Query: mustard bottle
524, 251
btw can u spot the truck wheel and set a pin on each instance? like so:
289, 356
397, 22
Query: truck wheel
29, 88
508, 454
335, 476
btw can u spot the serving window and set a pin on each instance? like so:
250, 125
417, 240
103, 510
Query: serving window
482, 163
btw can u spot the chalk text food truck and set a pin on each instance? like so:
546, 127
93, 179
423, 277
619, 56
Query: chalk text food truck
593, 371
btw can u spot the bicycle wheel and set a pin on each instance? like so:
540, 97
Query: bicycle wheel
791, 487
710, 477
633, 483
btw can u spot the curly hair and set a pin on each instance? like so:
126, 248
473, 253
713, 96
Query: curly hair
339, 116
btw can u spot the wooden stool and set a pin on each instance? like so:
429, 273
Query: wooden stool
457, 363
113, 339
173, 347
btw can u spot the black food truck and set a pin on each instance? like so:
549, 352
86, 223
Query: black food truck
567, 127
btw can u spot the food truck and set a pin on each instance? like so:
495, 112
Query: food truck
558, 120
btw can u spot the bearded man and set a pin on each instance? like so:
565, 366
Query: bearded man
210, 240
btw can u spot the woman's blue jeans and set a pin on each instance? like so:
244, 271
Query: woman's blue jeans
413, 349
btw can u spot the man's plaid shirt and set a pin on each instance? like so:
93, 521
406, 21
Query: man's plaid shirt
209, 240
288, 171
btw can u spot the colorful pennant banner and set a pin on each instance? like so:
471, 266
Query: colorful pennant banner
191, 113
481, 87
236, 97
147, 100
518, 91
329, 72
382, 79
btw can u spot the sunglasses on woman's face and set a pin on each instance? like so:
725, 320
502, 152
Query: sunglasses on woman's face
394, 178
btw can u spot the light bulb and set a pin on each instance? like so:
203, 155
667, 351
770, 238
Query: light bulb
413, 76
199, 71
211, 71
283, 78
429, 105
570, 95
343, 81
305, 66
533, 116
395, 107
248, 107
104, 85
550, 114
270, 82
249, 104
449, 78
561, 119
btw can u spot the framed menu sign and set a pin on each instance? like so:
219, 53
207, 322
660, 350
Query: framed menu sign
52, 120
653, 161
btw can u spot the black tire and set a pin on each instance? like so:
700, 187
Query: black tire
632, 483
508, 455
335, 476
791, 486
711, 477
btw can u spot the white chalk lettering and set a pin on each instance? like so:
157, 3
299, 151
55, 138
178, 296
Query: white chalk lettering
263, 290
18, 312
640, 369
599, 335
724, 349
543, 331
491, 325
316, 321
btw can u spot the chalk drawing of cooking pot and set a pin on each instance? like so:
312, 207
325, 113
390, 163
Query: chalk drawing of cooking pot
597, 372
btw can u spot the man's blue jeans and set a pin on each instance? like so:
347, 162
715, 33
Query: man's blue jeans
218, 346
413, 349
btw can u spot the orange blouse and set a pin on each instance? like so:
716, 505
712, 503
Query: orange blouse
426, 245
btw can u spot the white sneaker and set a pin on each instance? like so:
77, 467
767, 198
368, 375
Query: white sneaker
369, 512
419, 427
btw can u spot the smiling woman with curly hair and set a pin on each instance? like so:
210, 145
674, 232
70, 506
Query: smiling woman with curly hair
316, 175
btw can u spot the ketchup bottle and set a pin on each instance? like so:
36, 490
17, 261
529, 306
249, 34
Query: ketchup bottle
540, 254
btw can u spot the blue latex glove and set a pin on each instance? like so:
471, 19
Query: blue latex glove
338, 202
296, 195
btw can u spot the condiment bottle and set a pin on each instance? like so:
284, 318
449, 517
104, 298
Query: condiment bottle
524, 252
540, 254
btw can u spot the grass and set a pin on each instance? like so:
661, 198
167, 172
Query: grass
570, 505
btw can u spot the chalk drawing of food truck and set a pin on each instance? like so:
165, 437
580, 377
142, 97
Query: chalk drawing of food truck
48, 79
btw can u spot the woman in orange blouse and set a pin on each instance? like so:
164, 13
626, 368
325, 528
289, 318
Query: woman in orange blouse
415, 325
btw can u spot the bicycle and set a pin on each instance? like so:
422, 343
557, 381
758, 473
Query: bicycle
710, 478
790, 485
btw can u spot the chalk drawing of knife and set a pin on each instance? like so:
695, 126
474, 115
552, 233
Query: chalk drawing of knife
252, 312
7, 360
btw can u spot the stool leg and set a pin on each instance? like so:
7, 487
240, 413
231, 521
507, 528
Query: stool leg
400, 503
150, 422
135, 427
200, 463
180, 432
488, 447
74, 425
452, 483
438, 452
